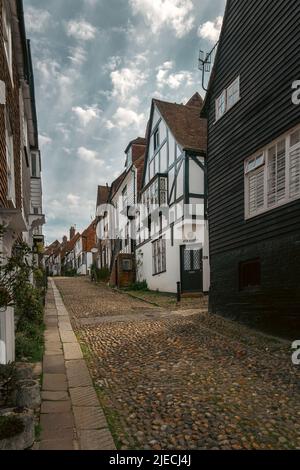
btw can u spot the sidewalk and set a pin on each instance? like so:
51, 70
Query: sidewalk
71, 416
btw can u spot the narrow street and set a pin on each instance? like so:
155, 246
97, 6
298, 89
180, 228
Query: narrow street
181, 379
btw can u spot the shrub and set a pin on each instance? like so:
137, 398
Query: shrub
30, 325
70, 272
99, 275
139, 286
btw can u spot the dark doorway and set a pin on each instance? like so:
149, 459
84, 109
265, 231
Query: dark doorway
191, 263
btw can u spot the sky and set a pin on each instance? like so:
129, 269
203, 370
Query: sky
97, 65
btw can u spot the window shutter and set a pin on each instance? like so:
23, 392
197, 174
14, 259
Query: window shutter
276, 173
295, 172
256, 191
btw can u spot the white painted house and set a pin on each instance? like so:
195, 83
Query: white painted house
172, 239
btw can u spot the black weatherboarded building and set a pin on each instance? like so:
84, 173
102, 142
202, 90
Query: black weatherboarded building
254, 166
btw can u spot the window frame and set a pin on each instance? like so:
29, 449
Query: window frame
10, 161
225, 97
243, 265
159, 256
265, 151
7, 28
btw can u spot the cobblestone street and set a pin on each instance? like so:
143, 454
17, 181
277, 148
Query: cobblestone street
183, 379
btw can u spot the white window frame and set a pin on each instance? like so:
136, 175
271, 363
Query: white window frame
7, 36
267, 207
10, 161
225, 96
221, 99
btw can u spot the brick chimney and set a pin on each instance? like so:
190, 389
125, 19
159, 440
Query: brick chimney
72, 233
65, 241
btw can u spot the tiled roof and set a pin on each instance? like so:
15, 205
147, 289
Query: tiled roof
70, 245
89, 237
51, 248
139, 164
117, 183
189, 130
102, 195
137, 141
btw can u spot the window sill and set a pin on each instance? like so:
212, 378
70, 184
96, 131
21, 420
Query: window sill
158, 274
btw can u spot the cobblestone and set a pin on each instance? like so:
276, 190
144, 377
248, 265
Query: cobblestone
185, 382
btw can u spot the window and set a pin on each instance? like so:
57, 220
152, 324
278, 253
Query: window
272, 177
11, 191
159, 256
156, 139
127, 265
228, 98
250, 275
172, 234
34, 172
7, 36
221, 105
233, 93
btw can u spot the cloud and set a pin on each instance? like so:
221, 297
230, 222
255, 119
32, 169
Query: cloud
44, 140
73, 199
86, 114
125, 117
211, 29
77, 55
81, 30
89, 156
172, 80
112, 64
176, 14
36, 19
126, 80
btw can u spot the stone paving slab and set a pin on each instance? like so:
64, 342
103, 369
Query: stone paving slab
70, 406
89, 418
55, 396
55, 407
54, 364
65, 326
72, 351
51, 321
78, 374
68, 337
57, 426
53, 352
84, 396
57, 444
55, 382
96, 440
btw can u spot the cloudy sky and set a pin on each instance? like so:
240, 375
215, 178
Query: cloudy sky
98, 64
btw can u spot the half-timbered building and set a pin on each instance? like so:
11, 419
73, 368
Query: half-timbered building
172, 238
